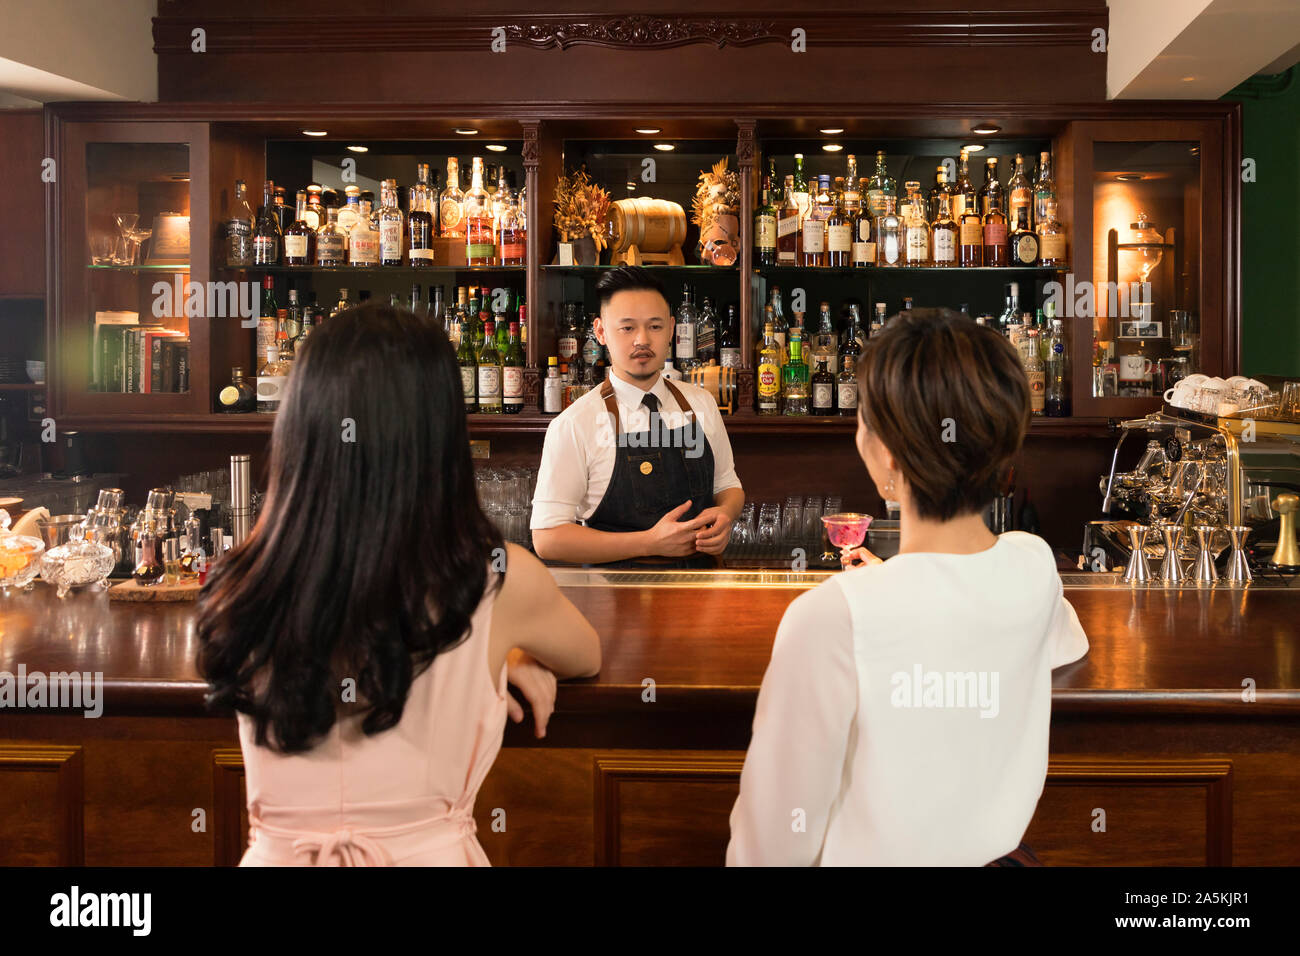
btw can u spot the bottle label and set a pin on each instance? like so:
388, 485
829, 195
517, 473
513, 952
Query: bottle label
839, 238
268, 390
329, 248
876, 202
686, 340
972, 233
1053, 247
823, 394
768, 380
551, 395
1026, 249
918, 245
848, 397
364, 250
864, 253
390, 240
995, 233
512, 250
479, 250
1037, 387
730, 358
945, 250
295, 247
449, 214
422, 256
889, 249
787, 225
814, 236
512, 383
467, 383
590, 352
567, 347
765, 232
489, 384
265, 333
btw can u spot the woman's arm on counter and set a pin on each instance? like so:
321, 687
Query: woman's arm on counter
1068, 641
532, 615
805, 715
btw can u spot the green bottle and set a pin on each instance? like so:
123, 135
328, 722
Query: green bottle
489, 374
512, 374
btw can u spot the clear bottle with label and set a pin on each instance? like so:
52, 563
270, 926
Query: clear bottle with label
944, 233
552, 388
1044, 188
825, 342
787, 227
239, 229
765, 228
1033, 362
686, 319
480, 246
391, 221
1051, 238
329, 240
916, 231
267, 234
270, 381
814, 228
1057, 402
451, 212
299, 238
839, 235
363, 243
881, 187
467, 359
349, 214
889, 236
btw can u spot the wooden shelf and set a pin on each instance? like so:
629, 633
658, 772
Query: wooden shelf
23, 387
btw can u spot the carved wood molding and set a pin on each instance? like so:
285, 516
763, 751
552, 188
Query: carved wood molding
173, 34
67, 763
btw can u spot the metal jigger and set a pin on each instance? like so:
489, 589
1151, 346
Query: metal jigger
1206, 576
1138, 571
1171, 569
1238, 570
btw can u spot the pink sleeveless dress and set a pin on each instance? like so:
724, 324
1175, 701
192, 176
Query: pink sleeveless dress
403, 797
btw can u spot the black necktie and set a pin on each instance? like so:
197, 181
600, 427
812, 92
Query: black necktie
651, 402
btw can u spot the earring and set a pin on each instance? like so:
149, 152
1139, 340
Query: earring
889, 488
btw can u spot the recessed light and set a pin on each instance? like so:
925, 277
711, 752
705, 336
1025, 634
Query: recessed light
465, 131
314, 132
986, 129
665, 147
1189, 79
973, 147
832, 130
496, 147
649, 130
631, 187
832, 147
359, 149
1128, 177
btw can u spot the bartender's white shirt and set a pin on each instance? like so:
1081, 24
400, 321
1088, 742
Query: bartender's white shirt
578, 454
873, 782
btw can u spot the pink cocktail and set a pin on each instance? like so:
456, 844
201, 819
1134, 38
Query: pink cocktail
847, 530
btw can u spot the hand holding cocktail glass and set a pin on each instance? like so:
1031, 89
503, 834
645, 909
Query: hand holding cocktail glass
847, 531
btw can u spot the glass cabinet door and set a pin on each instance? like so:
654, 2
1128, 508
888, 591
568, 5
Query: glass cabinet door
1148, 296
130, 303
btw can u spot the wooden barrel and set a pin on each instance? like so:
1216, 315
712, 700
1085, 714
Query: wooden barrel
652, 225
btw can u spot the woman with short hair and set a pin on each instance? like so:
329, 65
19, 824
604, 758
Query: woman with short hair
904, 716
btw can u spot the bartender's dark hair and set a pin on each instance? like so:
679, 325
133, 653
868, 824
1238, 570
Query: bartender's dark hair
624, 278
371, 551
950, 400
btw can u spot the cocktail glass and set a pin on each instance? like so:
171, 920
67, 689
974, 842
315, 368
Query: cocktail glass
125, 223
846, 530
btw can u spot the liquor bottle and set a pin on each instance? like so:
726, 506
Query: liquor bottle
839, 235
940, 188
552, 388
765, 228
239, 230
1056, 404
685, 345
451, 213
944, 233
270, 380
1034, 371
787, 227
729, 351
300, 239
995, 234
315, 210
419, 221
363, 243
768, 377
878, 323
344, 303
567, 337
1011, 313
855, 330
916, 231
266, 232
266, 319
780, 327
799, 191
794, 378
706, 336
512, 374
814, 229
480, 249
467, 359
489, 373
1020, 195
889, 236
970, 236
881, 187
852, 194
846, 382
991, 191
826, 343
964, 196
1044, 189
512, 249
413, 302
1051, 238
293, 319
823, 389
391, 219
864, 238
350, 214
239, 396
501, 199
329, 240
591, 350
1022, 244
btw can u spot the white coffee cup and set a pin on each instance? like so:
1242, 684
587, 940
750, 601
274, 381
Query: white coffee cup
1134, 368
1196, 378
1181, 395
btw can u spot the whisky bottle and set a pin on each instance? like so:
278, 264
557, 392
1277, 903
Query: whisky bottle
991, 191
880, 187
839, 236
964, 196
814, 230
419, 221
300, 239
266, 233
799, 192
329, 240
889, 236
1023, 244
1020, 195
390, 225
315, 217
239, 230
489, 373
944, 233
1051, 238
765, 228
1044, 188
970, 237
825, 343
852, 194
480, 249
512, 244
787, 227
940, 188
706, 336
451, 213
995, 234
916, 237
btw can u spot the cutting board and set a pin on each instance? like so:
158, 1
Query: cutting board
128, 590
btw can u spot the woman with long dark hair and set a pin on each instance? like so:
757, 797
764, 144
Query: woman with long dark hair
904, 716
365, 631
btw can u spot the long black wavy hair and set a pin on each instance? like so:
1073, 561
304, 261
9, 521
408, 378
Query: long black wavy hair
371, 552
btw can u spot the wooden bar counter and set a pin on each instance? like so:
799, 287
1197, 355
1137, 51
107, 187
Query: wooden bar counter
1175, 741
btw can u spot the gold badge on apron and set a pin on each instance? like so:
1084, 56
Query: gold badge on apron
646, 467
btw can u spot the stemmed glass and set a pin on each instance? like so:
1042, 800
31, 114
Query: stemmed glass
125, 223
846, 530
135, 237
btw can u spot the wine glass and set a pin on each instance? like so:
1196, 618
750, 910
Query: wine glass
846, 530
136, 238
125, 223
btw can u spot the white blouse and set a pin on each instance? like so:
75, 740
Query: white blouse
904, 716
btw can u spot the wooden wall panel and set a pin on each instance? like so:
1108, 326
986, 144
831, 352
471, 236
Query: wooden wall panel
22, 147
42, 792
229, 807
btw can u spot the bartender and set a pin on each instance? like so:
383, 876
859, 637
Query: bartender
640, 466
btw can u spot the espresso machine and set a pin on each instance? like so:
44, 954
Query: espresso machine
1210, 501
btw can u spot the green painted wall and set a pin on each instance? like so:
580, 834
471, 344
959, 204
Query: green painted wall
1270, 240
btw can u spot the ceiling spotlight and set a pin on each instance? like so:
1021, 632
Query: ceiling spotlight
314, 132
496, 147
359, 149
650, 130
832, 130
1189, 79
986, 129
832, 147
665, 147
973, 147
465, 131
1129, 177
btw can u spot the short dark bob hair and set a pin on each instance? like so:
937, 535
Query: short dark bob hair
950, 400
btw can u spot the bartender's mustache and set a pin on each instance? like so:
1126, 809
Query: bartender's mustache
643, 352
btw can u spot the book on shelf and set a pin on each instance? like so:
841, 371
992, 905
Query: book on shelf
138, 359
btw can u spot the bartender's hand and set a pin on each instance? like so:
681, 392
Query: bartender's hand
713, 538
857, 557
673, 538
536, 682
